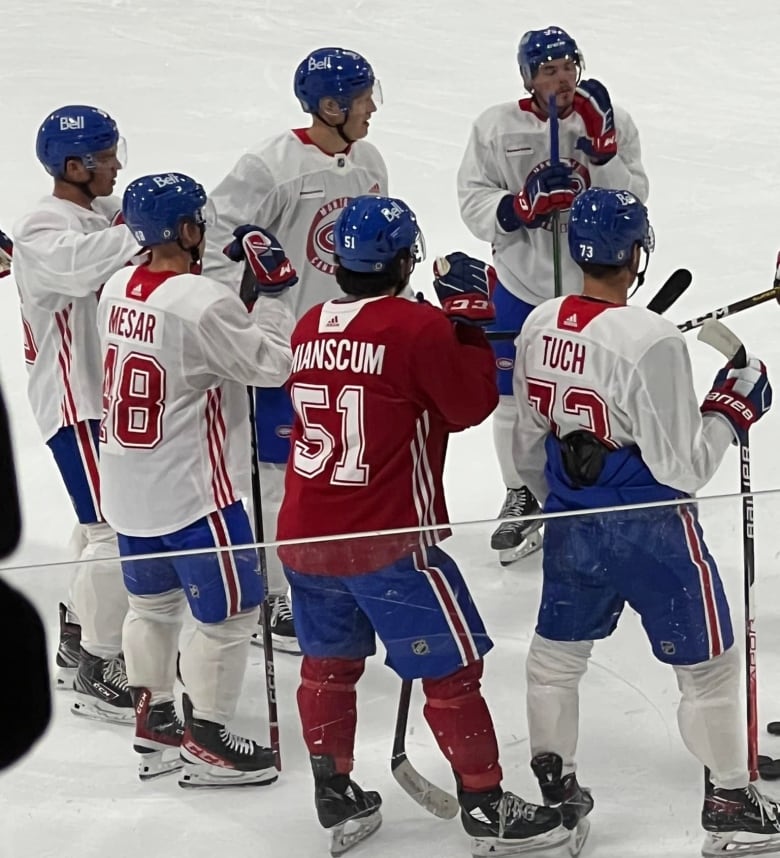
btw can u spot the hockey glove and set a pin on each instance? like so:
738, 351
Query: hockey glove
742, 396
6, 252
549, 188
464, 286
272, 270
592, 102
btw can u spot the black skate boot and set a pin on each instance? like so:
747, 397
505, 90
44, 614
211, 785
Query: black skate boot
739, 822
348, 812
215, 757
516, 539
102, 692
283, 634
501, 823
158, 735
574, 802
68, 651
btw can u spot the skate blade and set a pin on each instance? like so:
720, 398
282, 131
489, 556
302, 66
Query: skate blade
349, 833
740, 843
63, 678
156, 764
201, 777
578, 837
531, 543
88, 707
496, 847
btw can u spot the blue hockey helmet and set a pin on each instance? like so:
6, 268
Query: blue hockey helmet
371, 231
154, 206
541, 46
332, 73
76, 131
605, 225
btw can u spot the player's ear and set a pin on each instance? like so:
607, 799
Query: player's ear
189, 234
330, 109
75, 171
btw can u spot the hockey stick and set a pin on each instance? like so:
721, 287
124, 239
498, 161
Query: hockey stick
434, 799
677, 282
265, 609
717, 335
552, 112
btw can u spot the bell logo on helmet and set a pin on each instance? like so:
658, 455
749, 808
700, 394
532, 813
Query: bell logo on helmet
392, 212
319, 65
71, 123
166, 181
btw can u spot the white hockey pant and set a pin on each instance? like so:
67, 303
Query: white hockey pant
97, 592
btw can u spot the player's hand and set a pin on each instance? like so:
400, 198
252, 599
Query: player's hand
592, 102
742, 396
6, 252
464, 286
549, 188
265, 257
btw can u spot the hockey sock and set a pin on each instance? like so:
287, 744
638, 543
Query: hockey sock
460, 721
327, 703
150, 639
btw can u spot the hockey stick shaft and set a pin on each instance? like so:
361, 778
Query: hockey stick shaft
429, 796
731, 309
727, 343
555, 159
265, 609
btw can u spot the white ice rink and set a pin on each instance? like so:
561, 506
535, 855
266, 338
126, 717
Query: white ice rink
192, 84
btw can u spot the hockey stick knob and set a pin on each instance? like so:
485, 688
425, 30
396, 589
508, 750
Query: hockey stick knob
441, 266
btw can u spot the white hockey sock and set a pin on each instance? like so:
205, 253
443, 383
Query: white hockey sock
711, 717
213, 662
98, 594
504, 419
553, 673
151, 641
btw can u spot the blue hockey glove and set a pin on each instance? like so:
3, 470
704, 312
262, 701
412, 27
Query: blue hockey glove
272, 270
742, 396
592, 102
464, 286
548, 188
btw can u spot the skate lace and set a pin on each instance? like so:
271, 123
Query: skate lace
114, 673
766, 807
513, 807
237, 743
517, 503
281, 609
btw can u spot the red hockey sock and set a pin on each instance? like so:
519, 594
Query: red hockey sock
327, 704
457, 714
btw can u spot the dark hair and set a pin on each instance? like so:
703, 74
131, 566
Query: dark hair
364, 285
600, 272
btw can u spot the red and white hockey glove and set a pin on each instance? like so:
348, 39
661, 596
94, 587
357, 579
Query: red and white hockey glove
549, 188
6, 252
741, 395
592, 102
264, 255
464, 286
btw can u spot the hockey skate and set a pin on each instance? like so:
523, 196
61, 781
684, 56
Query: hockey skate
215, 757
68, 651
516, 539
102, 692
573, 801
158, 736
282, 628
739, 822
502, 824
349, 813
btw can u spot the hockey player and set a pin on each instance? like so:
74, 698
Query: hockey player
378, 383
295, 184
64, 251
178, 352
509, 190
607, 416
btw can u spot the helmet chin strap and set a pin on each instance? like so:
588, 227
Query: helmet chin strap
339, 128
640, 275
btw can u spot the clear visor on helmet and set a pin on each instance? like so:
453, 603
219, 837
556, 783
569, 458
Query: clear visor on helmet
113, 158
370, 93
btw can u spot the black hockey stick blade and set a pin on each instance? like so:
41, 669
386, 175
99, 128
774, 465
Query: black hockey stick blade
768, 768
674, 287
430, 797
773, 727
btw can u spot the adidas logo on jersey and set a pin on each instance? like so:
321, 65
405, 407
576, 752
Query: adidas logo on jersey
333, 322
374, 189
137, 291
571, 321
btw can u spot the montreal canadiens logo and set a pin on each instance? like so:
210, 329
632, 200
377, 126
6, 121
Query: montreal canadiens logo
283, 431
320, 244
504, 363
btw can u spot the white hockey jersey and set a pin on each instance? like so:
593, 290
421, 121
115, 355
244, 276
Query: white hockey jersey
622, 373
63, 254
289, 186
179, 352
507, 141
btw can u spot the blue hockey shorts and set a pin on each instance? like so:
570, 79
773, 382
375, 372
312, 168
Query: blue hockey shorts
511, 314
75, 450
